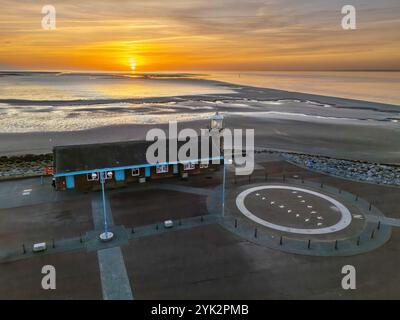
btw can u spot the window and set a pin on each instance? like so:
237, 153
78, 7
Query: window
203, 165
162, 169
108, 175
135, 172
188, 166
94, 176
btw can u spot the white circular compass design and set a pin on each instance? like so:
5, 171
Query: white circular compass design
344, 221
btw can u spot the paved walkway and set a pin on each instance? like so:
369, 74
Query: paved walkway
186, 189
114, 278
28, 192
97, 211
383, 220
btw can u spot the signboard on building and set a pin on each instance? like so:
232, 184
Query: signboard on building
49, 170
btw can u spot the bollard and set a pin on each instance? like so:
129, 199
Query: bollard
322, 185
336, 244
281, 241
133, 230
357, 197
379, 225
372, 234
309, 244
370, 206
255, 233
23, 248
235, 223
156, 226
53, 244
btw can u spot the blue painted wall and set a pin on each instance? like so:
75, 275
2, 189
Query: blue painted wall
76, 173
120, 175
70, 182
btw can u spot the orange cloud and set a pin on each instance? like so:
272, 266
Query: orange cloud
193, 35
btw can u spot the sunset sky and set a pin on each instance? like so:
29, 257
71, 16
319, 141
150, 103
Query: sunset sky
160, 35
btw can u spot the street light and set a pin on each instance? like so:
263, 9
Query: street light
223, 188
106, 235
216, 131
217, 122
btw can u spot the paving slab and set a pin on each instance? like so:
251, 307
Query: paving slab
114, 279
143, 207
44, 222
77, 277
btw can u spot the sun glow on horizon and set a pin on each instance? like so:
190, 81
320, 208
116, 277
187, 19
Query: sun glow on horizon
192, 35
132, 63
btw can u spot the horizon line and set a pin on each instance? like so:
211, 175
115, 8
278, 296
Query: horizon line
197, 71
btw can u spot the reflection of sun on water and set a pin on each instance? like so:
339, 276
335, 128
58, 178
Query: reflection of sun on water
132, 63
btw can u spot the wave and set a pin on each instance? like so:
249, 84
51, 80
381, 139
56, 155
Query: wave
83, 102
81, 115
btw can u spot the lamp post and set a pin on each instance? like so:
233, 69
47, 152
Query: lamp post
223, 188
106, 235
216, 132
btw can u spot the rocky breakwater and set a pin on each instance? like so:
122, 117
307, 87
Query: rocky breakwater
24, 166
354, 170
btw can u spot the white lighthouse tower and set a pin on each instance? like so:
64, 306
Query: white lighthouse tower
216, 132
217, 122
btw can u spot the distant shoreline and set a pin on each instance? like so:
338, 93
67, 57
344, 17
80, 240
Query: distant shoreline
360, 85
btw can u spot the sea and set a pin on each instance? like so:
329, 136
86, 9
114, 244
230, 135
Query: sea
70, 101
382, 86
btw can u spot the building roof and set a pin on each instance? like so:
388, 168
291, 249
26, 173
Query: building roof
75, 158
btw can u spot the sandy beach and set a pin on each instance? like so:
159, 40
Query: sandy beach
289, 121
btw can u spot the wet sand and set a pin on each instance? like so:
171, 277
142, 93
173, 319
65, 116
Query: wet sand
329, 126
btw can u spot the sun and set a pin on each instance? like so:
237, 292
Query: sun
132, 63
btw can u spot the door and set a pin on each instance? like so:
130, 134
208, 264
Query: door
120, 175
70, 182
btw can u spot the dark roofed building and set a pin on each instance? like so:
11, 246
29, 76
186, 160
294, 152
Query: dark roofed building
101, 155
78, 166
120, 163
